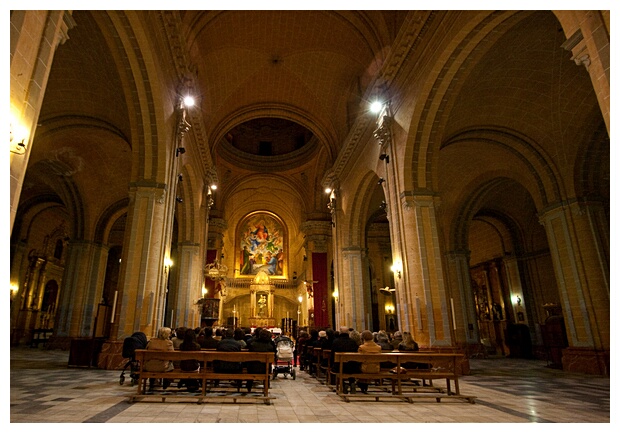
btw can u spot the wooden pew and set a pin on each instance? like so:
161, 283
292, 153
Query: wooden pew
440, 366
206, 376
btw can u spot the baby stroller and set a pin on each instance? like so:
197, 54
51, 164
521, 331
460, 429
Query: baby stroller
284, 357
130, 344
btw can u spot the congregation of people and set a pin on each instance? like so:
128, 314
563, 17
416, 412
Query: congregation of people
263, 340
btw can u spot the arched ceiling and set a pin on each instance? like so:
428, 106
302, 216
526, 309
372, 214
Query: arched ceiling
308, 67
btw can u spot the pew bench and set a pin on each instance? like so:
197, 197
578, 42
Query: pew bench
206, 377
399, 382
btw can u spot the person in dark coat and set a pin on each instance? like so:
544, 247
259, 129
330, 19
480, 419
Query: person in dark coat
190, 344
343, 343
263, 343
228, 344
299, 349
206, 340
309, 358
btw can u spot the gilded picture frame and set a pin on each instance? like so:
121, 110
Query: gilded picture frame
261, 245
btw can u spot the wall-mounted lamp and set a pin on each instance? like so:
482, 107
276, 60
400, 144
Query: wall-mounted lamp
294, 275
17, 140
381, 180
180, 150
204, 291
328, 190
397, 268
213, 187
335, 295
389, 309
305, 258
179, 200
385, 157
167, 264
14, 289
180, 178
518, 300
383, 206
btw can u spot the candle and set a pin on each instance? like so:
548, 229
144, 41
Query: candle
114, 306
453, 318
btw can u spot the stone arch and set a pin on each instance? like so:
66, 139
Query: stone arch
142, 85
108, 218
442, 84
360, 212
537, 163
324, 133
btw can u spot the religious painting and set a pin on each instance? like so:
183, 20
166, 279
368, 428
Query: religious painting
261, 238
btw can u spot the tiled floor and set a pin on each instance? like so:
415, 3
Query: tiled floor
44, 389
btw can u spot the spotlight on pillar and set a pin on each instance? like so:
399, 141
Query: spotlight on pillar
180, 151
385, 157
381, 180
180, 178
179, 200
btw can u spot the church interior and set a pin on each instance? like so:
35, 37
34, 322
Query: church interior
441, 172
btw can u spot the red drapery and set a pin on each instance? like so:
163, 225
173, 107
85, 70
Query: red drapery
321, 300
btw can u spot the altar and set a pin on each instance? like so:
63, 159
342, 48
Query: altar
262, 302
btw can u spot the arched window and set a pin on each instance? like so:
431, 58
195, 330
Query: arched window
58, 249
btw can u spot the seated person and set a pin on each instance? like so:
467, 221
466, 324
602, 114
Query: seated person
409, 345
228, 344
262, 344
368, 346
190, 344
161, 342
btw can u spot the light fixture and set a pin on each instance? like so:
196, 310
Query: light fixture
17, 140
204, 291
213, 187
180, 150
389, 309
376, 107
381, 180
335, 295
300, 299
180, 178
518, 300
397, 268
14, 289
385, 157
387, 290
167, 263
179, 200
216, 271
328, 190
189, 101
294, 275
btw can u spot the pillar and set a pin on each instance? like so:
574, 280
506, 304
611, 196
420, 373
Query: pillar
577, 243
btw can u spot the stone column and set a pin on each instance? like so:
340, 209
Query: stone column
353, 300
35, 35
143, 273
186, 285
588, 40
461, 298
425, 292
82, 289
578, 242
